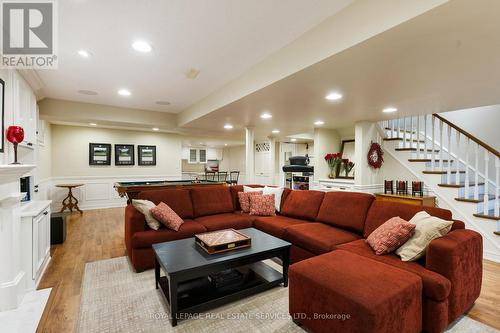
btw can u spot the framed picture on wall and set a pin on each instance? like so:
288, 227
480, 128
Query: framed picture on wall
124, 155
99, 154
2, 117
146, 155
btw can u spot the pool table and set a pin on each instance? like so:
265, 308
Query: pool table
130, 190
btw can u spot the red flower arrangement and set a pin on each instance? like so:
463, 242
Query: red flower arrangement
333, 161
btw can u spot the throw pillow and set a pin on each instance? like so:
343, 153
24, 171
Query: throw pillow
390, 235
167, 216
262, 205
277, 191
251, 189
427, 228
144, 207
244, 198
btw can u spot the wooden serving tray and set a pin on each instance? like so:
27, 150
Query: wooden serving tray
222, 240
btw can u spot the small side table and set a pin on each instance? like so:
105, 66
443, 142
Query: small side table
70, 201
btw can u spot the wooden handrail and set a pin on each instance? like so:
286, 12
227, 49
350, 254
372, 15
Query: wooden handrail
467, 134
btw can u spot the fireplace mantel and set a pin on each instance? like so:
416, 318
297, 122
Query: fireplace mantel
12, 172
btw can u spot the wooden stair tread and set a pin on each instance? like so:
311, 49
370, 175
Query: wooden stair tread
489, 217
472, 200
415, 149
430, 172
426, 160
496, 233
401, 130
458, 185
393, 139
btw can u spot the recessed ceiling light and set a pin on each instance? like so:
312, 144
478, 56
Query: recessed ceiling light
319, 123
333, 96
155, 129
275, 131
389, 110
192, 73
266, 115
228, 126
162, 102
142, 46
87, 92
225, 144
293, 139
83, 53
124, 92
92, 124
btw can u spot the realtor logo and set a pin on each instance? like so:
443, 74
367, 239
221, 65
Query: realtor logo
29, 34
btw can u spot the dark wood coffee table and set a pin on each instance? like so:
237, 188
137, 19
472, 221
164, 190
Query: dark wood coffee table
186, 286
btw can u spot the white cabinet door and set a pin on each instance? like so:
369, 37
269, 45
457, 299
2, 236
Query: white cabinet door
202, 156
211, 154
41, 241
193, 155
185, 153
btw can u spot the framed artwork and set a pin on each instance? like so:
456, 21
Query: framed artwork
146, 155
99, 154
2, 95
124, 155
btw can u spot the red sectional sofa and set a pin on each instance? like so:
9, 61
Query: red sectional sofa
317, 223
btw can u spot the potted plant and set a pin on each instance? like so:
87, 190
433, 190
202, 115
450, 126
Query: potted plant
333, 161
348, 165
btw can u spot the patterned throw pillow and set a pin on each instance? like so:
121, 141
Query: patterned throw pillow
244, 198
167, 216
390, 235
262, 205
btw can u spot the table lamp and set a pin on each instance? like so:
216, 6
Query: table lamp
15, 135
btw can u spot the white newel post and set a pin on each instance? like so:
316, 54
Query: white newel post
12, 277
486, 183
467, 178
497, 189
476, 171
249, 155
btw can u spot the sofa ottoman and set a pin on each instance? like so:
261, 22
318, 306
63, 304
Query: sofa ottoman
343, 292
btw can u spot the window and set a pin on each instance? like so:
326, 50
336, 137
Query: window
203, 156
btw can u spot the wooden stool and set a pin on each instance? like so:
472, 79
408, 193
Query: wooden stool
70, 201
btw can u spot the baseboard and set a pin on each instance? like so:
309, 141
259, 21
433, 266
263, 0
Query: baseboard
12, 292
491, 256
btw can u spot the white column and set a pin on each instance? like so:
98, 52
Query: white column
365, 133
272, 160
249, 155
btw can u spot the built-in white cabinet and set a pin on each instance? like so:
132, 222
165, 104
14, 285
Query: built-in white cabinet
35, 240
201, 155
24, 109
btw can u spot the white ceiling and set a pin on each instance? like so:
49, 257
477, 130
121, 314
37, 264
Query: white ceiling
221, 38
445, 59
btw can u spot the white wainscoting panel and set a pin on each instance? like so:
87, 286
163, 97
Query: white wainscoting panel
97, 192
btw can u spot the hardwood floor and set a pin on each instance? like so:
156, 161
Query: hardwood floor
95, 235
98, 235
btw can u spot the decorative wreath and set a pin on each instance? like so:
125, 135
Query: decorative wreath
375, 156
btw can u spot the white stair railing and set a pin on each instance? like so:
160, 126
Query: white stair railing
430, 137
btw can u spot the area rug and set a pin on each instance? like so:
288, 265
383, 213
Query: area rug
116, 299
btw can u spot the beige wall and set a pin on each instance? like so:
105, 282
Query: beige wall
192, 167
234, 160
44, 156
70, 152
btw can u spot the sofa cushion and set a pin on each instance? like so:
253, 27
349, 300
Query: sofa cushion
345, 209
145, 206
302, 204
179, 200
276, 225
381, 211
436, 286
225, 221
244, 200
390, 235
211, 200
318, 238
149, 237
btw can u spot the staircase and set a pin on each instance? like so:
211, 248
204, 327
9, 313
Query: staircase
461, 170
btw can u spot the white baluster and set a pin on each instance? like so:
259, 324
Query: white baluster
399, 128
476, 172
411, 132
426, 118
486, 182
441, 143
497, 189
433, 138
457, 166
448, 178
418, 137
467, 180
392, 128
404, 132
